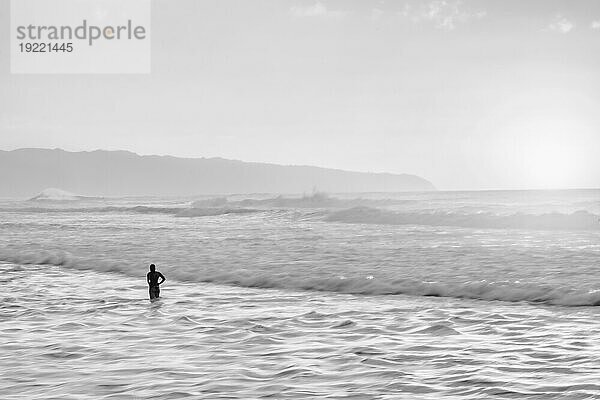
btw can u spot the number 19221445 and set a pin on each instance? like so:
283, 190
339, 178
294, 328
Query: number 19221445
46, 47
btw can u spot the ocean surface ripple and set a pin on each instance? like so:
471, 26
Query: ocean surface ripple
298, 298
73, 335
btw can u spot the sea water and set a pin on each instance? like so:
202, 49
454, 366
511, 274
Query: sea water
382, 296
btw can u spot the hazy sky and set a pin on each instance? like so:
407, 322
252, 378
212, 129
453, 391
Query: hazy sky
469, 94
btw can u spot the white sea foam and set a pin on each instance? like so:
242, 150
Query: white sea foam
52, 194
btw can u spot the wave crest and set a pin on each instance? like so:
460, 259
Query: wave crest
176, 211
507, 291
579, 220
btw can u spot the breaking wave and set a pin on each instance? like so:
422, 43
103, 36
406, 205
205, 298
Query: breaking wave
507, 291
332, 210
316, 200
580, 220
175, 211
206, 212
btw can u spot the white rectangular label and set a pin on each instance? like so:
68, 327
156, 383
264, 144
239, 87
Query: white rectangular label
80, 37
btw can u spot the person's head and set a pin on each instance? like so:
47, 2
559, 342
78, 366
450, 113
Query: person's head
152, 267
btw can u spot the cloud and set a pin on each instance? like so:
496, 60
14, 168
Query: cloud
376, 13
595, 25
443, 14
316, 10
561, 24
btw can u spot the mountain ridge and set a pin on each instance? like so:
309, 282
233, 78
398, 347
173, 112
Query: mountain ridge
27, 171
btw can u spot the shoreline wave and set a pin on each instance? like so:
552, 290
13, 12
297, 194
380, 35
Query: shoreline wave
505, 291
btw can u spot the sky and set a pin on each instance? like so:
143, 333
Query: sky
472, 94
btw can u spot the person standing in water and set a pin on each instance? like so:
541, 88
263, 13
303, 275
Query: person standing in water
153, 283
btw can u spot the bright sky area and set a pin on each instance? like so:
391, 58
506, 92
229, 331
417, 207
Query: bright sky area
473, 94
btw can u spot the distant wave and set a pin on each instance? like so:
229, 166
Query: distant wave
357, 211
580, 220
205, 212
107, 209
176, 211
316, 200
477, 290
58, 195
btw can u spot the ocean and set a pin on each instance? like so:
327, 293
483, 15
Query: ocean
473, 295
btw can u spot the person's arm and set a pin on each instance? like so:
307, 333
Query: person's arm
148, 278
162, 277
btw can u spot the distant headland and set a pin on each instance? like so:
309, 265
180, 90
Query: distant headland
27, 172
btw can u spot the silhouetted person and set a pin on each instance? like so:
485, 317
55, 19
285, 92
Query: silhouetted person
153, 283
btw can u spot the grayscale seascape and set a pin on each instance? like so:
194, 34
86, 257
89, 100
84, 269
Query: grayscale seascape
299, 199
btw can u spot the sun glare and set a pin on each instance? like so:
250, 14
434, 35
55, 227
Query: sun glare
551, 153
552, 165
